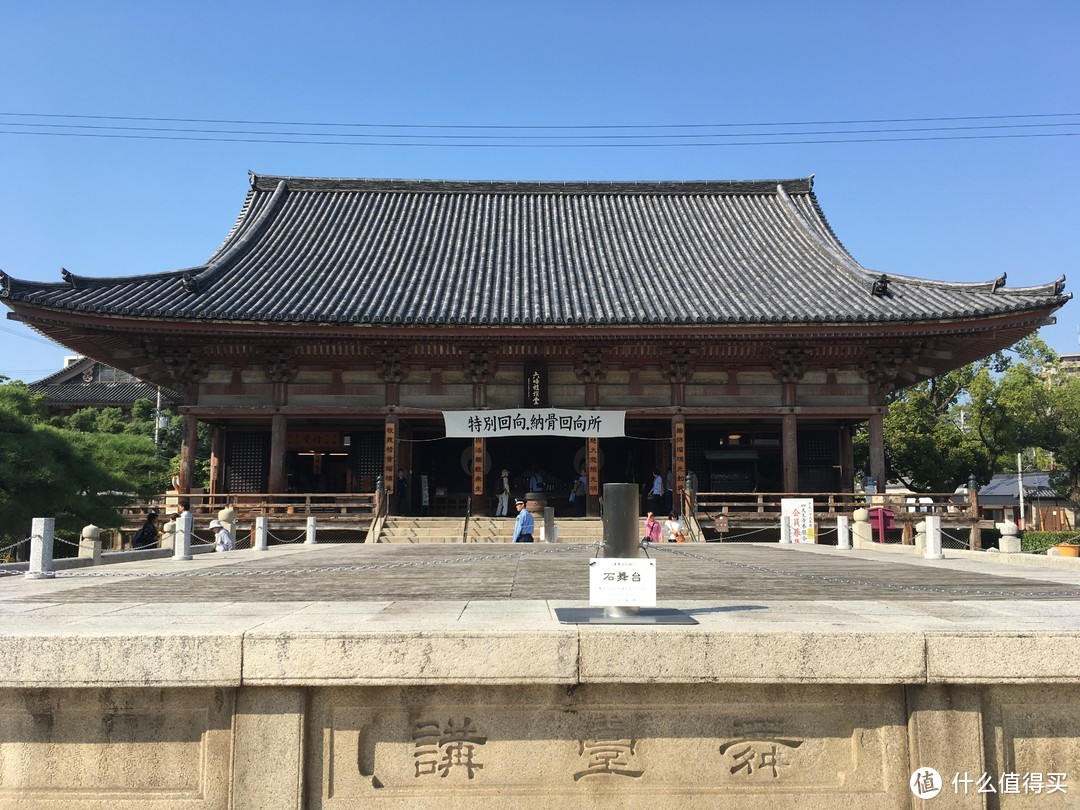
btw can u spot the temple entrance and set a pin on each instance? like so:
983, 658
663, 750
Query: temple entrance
317, 471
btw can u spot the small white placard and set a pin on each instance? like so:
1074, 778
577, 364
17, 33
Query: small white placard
619, 582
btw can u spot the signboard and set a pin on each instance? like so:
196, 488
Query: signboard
798, 514
621, 582
478, 466
389, 446
536, 385
593, 470
313, 440
679, 451
529, 422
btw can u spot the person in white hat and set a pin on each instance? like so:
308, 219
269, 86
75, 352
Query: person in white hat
224, 540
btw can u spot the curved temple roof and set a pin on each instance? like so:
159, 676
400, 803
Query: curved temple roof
339, 251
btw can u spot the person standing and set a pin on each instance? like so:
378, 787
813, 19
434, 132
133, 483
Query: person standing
503, 507
673, 529
656, 491
580, 491
524, 525
401, 492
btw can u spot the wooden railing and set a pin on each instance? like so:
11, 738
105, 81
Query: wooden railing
765, 506
330, 507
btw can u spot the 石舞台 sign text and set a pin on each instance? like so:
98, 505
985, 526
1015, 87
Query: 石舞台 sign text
530, 422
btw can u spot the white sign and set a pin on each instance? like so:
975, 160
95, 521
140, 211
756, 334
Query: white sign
620, 582
535, 422
798, 516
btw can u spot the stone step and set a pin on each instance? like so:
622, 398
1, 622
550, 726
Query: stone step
398, 529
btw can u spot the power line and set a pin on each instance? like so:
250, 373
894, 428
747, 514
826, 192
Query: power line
497, 145
891, 130
242, 122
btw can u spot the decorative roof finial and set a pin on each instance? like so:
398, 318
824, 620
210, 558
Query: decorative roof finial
189, 283
67, 276
5, 282
881, 286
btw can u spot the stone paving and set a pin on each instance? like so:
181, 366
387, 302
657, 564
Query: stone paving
439, 572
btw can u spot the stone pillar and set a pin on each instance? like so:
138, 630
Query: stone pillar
1010, 538
790, 447
309, 531
168, 534
227, 516
182, 547
41, 548
90, 544
843, 533
933, 538
188, 445
862, 532
262, 531
278, 427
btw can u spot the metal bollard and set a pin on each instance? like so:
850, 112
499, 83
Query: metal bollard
182, 542
843, 532
262, 532
309, 540
933, 538
41, 548
622, 534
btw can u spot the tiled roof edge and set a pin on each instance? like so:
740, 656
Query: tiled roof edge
792, 186
221, 260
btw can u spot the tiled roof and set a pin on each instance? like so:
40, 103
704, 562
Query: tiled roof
118, 394
488, 253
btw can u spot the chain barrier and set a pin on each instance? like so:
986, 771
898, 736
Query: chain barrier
66, 542
16, 544
296, 539
959, 543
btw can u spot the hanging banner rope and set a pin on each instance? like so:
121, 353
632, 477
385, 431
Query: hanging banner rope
530, 422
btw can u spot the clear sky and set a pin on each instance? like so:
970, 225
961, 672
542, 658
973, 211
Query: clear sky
964, 206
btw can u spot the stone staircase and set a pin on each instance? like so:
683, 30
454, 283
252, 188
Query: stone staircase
397, 529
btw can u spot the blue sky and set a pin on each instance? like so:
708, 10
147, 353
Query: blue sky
959, 210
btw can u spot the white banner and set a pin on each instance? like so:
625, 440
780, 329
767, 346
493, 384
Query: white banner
799, 516
535, 422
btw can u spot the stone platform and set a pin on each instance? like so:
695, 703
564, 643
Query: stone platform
419, 675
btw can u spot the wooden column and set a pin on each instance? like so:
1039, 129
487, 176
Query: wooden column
217, 456
278, 428
847, 459
790, 448
189, 442
876, 429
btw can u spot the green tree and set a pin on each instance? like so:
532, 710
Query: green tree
78, 477
969, 421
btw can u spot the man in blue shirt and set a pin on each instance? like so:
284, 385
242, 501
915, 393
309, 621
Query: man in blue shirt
523, 526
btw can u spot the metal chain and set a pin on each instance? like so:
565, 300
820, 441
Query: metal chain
294, 540
16, 544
